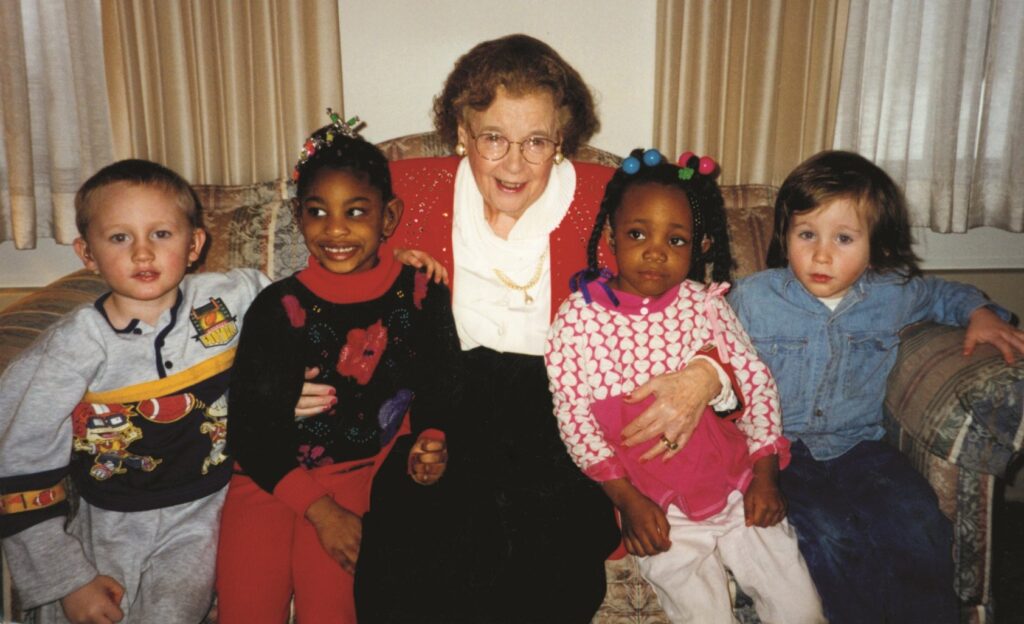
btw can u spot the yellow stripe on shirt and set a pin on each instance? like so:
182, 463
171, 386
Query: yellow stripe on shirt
168, 385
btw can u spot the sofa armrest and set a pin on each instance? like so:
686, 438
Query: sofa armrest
21, 322
965, 410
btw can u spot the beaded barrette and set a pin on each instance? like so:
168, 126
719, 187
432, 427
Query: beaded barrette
315, 143
689, 163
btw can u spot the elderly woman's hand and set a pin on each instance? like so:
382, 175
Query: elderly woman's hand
680, 400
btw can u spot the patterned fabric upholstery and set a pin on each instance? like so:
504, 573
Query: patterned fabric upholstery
958, 419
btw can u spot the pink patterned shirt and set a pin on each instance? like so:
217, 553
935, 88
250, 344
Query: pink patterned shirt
599, 352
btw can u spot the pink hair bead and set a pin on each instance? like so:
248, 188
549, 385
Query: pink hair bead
684, 157
706, 166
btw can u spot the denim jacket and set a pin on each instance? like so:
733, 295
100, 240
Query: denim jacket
831, 366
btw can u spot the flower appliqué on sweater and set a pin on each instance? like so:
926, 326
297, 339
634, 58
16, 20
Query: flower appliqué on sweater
313, 456
362, 351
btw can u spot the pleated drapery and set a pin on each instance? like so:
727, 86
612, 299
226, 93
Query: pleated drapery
54, 120
224, 92
934, 93
752, 83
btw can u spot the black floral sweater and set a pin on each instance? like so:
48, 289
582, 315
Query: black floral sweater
385, 339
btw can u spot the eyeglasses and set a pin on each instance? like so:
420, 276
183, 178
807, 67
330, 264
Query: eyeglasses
535, 150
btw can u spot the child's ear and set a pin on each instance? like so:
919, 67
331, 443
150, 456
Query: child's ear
705, 245
392, 215
83, 253
196, 248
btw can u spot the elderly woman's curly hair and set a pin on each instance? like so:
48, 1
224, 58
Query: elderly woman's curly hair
523, 66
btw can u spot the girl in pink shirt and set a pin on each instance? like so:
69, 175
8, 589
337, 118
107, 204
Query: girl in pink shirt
715, 502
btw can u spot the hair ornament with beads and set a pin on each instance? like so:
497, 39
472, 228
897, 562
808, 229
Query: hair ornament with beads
315, 143
651, 158
690, 164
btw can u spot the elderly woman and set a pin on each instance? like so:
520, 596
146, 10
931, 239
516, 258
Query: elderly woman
510, 216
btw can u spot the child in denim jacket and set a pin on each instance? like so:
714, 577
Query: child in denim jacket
827, 323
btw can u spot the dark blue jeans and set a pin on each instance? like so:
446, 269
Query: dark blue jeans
869, 526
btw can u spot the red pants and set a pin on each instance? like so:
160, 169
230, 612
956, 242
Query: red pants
267, 553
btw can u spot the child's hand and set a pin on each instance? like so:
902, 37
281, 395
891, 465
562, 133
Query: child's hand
644, 525
986, 326
428, 459
315, 398
763, 504
340, 531
96, 602
423, 260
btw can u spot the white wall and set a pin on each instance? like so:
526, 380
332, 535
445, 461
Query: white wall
396, 54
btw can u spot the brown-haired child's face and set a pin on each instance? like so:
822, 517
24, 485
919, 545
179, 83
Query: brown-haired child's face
829, 248
343, 220
141, 242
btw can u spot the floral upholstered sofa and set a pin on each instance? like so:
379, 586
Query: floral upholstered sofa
957, 418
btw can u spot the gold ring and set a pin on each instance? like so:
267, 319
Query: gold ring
672, 446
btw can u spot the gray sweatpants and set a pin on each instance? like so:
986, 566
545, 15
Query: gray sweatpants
164, 558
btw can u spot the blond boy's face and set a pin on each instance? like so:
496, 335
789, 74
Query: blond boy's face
829, 248
141, 242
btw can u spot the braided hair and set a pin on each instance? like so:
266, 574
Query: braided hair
340, 152
705, 202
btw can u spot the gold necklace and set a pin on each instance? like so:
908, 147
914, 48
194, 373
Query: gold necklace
524, 288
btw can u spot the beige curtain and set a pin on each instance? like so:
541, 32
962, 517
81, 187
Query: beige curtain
933, 91
54, 122
752, 83
222, 91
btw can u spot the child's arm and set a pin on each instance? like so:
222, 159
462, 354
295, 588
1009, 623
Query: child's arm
760, 420
96, 602
566, 359
38, 393
426, 262
339, 530
763, 504
266, 381
644, 524
986, 327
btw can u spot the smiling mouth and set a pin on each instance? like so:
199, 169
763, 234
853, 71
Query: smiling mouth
510, 186
338, 252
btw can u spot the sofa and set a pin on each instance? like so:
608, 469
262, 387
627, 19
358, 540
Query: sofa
957, 418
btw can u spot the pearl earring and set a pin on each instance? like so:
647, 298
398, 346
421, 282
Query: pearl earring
460, 149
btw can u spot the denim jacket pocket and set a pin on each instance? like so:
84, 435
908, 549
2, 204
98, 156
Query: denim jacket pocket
866, 364
788, 361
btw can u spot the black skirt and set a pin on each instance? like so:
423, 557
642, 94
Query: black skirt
514, 532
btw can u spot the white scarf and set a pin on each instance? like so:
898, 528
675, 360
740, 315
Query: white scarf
487, 312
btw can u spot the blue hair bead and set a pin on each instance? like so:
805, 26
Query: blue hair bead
652, 157
631, 165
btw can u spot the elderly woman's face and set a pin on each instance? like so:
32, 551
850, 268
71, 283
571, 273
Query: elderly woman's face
511, 184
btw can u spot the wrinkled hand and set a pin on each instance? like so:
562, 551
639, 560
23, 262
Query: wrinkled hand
428, 459
986, 326
339, 530
644, 525
315, 398
422, 260
763, 504
96, 602
681, 399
